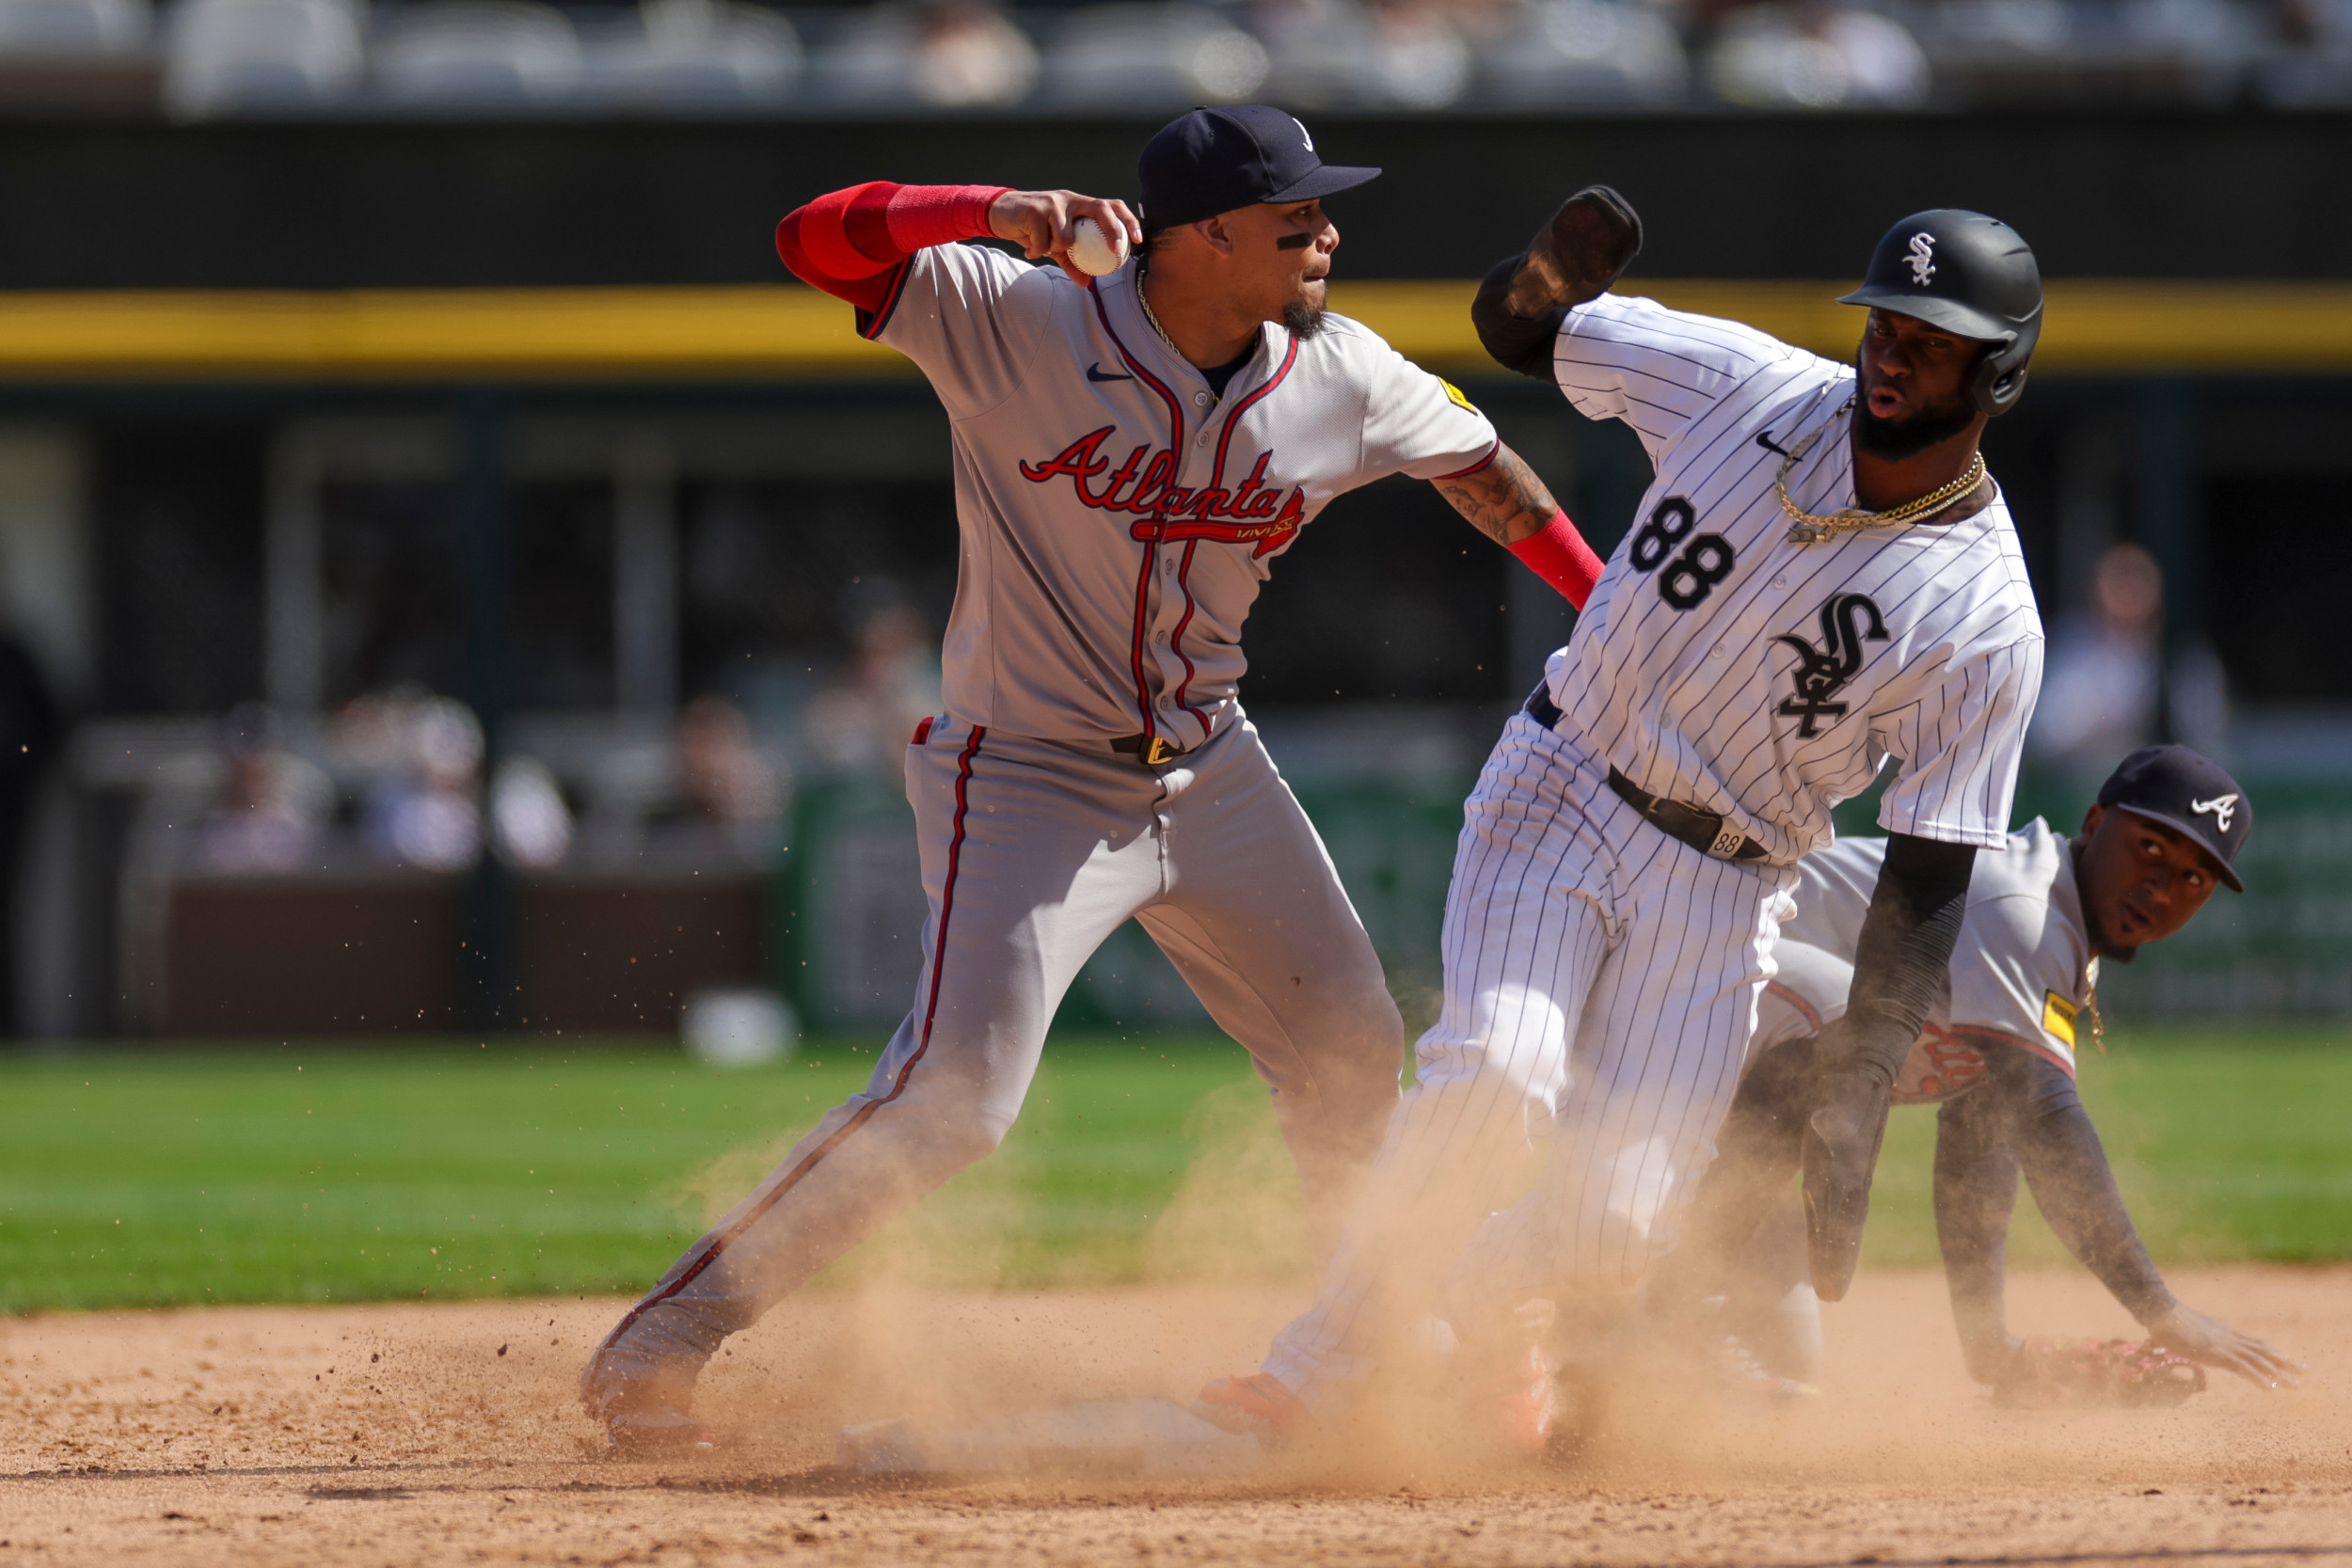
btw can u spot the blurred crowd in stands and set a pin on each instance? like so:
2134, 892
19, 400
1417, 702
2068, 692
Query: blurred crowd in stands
230, 58
396, 778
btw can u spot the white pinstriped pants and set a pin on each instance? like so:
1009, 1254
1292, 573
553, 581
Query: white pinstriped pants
1601, 981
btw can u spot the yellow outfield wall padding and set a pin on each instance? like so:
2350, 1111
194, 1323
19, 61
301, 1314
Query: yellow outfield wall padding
782, 330
759, 329
2091, 327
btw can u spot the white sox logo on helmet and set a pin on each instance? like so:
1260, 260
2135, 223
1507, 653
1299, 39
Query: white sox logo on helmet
1922, 258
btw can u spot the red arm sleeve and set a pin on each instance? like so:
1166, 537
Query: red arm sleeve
849, 243
1560, 556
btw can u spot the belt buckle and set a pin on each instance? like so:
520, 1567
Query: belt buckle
1157, 750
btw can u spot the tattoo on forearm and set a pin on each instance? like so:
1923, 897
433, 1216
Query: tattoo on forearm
1503, 500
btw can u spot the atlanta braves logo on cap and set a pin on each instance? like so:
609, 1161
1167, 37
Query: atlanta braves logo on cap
1922, 258
2221, 808
2156, 780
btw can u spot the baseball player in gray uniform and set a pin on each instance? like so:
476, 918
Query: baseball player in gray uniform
1132, 453
1996, 1054
1822, 577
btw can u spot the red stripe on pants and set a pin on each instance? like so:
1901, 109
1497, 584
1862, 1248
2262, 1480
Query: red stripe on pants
897, 1084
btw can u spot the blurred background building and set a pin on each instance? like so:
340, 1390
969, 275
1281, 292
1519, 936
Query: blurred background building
450, 578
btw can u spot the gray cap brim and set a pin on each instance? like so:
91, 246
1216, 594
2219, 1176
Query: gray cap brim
1949, 314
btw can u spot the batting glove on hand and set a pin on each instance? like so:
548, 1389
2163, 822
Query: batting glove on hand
1841, 1154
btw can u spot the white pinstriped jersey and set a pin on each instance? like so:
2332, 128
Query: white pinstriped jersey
2022, 970
1116, 516
1721, 665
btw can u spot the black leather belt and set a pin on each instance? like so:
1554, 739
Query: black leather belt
1703, 830
1149, 749
1540, 706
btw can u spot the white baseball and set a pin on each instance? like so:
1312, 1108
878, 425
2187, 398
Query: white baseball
1094, 252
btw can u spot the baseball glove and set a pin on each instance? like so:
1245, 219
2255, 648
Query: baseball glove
1574, 258
2132, 1374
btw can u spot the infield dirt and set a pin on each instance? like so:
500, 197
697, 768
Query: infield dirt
414, 1433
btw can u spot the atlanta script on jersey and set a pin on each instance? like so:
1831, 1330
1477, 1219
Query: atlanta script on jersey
1117, 519
1721, 665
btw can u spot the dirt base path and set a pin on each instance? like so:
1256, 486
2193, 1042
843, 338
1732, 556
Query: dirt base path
427, 1433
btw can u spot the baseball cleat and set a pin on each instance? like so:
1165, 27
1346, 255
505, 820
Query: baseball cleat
1737, 1372
656, 1432
642, 1415
1526, 1406
1256, 1405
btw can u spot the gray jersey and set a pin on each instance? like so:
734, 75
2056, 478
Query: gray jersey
1720, 664
1117, 518
2022, 970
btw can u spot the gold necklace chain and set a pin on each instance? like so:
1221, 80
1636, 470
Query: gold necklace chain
1145, 300
1808, 528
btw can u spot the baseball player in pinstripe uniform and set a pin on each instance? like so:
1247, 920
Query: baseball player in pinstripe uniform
1131, 451
1997, 1056
1821, 577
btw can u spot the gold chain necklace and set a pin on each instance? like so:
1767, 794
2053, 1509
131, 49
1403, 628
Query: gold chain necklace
1808, 528
1145, 300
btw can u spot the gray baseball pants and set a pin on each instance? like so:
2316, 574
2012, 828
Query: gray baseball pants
1034, 851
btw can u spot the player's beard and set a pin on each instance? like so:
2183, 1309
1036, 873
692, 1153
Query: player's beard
1908, 437
1301, 320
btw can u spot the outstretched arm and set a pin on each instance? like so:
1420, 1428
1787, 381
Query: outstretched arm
1504, 501
1976, 1192
2067, 1168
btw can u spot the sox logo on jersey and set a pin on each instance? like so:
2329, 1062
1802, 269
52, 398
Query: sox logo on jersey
1848, 620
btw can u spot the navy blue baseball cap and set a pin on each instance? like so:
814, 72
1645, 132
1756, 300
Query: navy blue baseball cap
2189, 792
1211, 161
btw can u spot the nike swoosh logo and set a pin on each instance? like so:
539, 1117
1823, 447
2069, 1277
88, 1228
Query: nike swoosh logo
1095, 372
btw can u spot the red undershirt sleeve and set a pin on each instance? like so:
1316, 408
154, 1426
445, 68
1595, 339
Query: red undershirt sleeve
849, 243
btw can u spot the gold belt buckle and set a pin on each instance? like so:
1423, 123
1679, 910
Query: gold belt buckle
1157, 750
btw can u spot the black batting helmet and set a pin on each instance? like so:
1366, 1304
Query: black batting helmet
1970, 275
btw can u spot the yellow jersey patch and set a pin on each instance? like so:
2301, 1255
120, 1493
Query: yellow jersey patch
2058, 1017
1455, 393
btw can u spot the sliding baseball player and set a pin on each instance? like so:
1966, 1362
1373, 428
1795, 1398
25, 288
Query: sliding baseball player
1996, 1054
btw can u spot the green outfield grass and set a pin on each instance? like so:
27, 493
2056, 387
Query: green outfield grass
344, 1173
